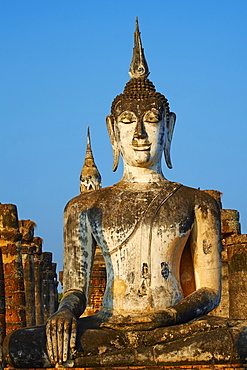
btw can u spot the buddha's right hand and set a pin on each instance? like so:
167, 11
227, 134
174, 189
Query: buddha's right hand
61, 336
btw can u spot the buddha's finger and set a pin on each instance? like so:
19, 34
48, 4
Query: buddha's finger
66, 332
49, 344
54, 340
73, 334
60, 342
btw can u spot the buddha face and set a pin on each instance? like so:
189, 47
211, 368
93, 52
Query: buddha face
140, 131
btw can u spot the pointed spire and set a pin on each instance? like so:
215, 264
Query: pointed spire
90, 178
89, 153
138, 66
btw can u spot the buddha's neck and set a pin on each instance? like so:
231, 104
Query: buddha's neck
142, 175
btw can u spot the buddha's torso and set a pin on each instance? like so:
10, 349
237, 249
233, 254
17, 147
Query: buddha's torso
142, 233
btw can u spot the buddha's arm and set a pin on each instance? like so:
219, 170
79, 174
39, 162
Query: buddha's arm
79, 248
205, 243
61, 327
206, 250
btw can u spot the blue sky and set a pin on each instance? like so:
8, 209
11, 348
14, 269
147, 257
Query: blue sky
63, 62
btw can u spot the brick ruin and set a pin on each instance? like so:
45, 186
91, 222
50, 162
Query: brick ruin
28, 280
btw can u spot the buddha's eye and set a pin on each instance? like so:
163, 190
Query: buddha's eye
127, 118
152, 117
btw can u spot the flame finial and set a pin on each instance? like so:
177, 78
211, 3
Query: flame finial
138, 66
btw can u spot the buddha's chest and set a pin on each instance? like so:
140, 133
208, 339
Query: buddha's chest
142, 236
138, 222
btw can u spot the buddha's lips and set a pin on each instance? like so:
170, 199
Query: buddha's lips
141, 147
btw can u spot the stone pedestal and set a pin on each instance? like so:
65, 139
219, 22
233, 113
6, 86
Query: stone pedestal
184, 367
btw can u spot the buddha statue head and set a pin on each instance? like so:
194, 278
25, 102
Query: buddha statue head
141, 124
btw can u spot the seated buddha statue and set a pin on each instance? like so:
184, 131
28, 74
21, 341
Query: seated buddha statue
161, 244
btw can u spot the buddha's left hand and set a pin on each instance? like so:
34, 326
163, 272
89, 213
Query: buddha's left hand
147, 321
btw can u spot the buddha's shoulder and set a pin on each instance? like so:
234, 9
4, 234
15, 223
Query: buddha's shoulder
93, 198
129, 193
200, 198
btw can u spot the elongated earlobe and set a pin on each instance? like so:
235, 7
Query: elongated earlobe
115, 150
167, 146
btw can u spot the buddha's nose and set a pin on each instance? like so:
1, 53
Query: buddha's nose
140, 132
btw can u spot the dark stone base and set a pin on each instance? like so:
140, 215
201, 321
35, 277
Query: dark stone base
185, 367
207, 343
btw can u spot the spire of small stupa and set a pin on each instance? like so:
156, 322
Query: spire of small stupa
138, 66
90, 178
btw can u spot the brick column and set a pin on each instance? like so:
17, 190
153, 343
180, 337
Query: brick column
49, 283
97, 284
27, 230
38, 281
2, 307
237, 257
55, 285
10, 244
230, 226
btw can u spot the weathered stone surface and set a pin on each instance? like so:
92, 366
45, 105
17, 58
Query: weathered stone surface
8, 218
17, 279
97, 284
216, 194
12, 299
2, 308
38, 281
10, 244
170, 367
223, 309
230, 222
26, 228
49, 278
25, 349
210, 340
237, 256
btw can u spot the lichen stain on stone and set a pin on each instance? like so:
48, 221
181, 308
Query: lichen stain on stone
239, 262
102, 350
116, 343
207, 248
118, 287
131, 277
204, 210
132, 338
189, 353
165, 270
